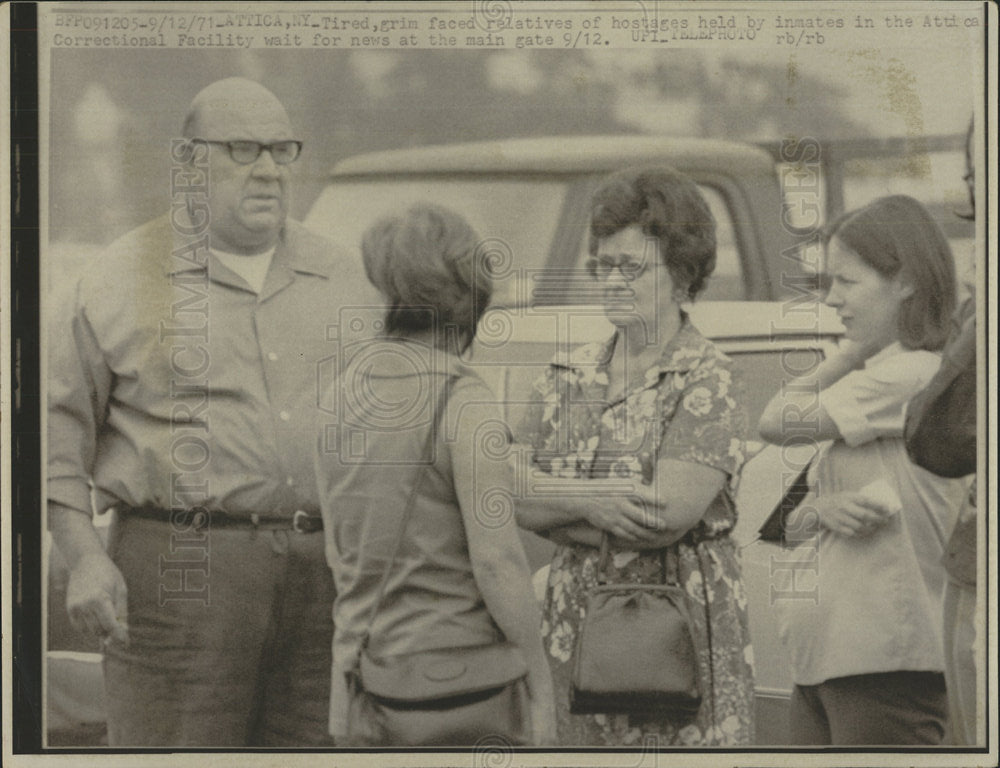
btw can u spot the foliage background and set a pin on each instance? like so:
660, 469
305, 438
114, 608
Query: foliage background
113, 112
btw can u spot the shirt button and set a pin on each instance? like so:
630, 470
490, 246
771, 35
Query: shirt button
289, 480
272, 356
284, 415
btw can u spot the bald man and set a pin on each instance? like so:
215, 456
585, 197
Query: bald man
182, 394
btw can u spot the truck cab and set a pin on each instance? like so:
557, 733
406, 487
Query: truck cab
529, 198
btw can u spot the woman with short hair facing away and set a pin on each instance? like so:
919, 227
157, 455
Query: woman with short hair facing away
657, 410
425, 552
862, 619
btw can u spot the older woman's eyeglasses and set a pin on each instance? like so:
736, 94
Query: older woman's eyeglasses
247, 152
601, 267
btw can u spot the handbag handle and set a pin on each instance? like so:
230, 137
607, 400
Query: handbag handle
669, 566
425, 460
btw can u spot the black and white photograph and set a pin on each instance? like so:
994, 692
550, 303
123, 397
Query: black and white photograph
496, 383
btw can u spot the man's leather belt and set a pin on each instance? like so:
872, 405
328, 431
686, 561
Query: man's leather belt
200, 518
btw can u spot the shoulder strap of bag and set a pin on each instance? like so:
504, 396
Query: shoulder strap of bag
425, 460
774, 527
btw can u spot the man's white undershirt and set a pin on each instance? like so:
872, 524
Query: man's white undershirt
252, 268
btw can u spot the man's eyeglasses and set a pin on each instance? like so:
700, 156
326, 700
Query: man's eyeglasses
247, 152
601, 267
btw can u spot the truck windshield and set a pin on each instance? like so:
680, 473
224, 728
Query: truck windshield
517, 218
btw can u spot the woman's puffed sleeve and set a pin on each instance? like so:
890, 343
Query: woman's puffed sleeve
869, 403
709, 425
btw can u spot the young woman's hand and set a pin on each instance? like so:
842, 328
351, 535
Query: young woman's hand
852, 514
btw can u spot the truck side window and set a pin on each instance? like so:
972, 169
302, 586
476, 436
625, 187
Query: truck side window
727, 282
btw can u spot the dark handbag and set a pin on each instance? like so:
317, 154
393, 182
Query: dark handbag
634, 652
448, 696
940, 431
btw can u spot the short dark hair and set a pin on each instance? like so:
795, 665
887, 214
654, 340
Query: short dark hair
429, 265
896, 235
668, 206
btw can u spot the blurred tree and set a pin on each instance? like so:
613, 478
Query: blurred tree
345, 101
705, 93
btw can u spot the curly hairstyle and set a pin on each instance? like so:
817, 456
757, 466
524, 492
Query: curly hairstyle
668, 206
429, 266
896, 235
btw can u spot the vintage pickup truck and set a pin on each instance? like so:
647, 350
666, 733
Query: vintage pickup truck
529, 196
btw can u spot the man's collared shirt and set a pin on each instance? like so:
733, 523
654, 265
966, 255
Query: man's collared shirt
173, 385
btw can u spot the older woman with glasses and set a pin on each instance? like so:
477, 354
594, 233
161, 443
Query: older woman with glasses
658, 405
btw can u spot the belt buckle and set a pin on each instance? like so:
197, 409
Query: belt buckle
298, 520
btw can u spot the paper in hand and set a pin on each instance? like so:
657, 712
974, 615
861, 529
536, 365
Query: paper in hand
882, 493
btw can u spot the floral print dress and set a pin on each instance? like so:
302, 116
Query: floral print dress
688, 407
